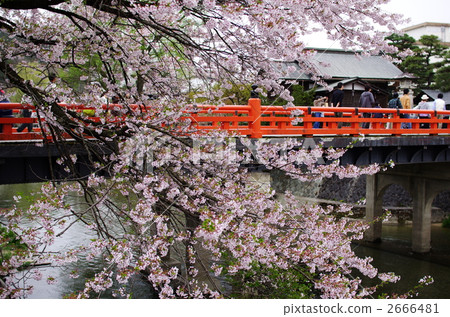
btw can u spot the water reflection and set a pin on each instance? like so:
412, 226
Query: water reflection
392, 256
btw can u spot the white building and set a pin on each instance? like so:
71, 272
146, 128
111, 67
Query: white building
441, 30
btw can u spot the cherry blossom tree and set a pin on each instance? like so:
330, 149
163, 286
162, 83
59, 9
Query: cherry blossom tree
180, 211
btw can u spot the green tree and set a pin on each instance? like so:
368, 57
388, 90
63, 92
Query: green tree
442, 79
425, 61
403, 43
302, 97
442, 76
433, 53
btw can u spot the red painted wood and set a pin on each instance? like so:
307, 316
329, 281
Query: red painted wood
256, 121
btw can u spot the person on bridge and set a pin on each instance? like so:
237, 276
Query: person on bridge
336, 100
424, 105
319, 102
26, 113
4, 113
405, 99
439, 105
52, 78
394, 103
366, 101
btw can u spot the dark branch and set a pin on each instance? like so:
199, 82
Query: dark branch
28, 4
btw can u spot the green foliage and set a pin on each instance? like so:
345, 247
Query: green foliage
301, 97
271, 282
442, 79
237, 94
446, 222
418, 66
427, 61
432, 46
268, 282
28, 71
9, 243
402, 42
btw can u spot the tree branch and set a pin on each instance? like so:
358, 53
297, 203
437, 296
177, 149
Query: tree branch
28, 4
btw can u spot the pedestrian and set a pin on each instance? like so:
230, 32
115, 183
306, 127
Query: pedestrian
439, 105
99, 102
4, 113
405, 99
26, 113
337, 98
394, 103
377, 115
366, 101
446, 118
424, 105
114, 108
319, 102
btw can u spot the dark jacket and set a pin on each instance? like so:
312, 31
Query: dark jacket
395, 103
5, 112
337, 98
367, 100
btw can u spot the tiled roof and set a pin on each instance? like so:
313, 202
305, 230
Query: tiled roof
341, 65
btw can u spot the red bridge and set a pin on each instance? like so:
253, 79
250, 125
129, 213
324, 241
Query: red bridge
23, 158
256, 121
421, 149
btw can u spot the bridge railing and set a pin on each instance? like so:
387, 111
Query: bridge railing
256, 121
11, 122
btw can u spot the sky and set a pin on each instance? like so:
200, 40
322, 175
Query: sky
418, 11
421, 11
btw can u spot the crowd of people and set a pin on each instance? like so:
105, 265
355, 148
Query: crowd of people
367, 100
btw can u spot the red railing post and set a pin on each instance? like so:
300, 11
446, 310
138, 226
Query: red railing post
7, 128
255, 117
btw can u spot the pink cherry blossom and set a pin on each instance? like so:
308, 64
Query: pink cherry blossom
166, 202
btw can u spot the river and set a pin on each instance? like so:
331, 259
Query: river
411, 269
393, 255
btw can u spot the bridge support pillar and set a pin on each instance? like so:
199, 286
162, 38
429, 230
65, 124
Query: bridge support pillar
373, 209
421, 231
